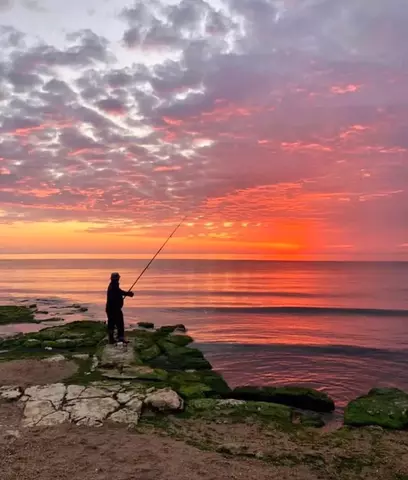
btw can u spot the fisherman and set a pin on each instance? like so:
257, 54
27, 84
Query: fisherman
114, 304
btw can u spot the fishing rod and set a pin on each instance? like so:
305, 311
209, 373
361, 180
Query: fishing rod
157, 253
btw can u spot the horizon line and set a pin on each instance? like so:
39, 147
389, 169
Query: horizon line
209, 256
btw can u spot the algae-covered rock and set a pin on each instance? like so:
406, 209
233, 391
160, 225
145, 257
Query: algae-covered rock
75, 335
299, 397
180, 340
16, 314
385, 407
166, 329
193, 390
32, 343
209, 383
215, 409
143, 339
150, 353
147, 325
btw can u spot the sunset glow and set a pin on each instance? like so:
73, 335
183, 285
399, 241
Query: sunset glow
279, 128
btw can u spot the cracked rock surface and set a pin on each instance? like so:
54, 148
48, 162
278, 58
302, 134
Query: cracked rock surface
48, 405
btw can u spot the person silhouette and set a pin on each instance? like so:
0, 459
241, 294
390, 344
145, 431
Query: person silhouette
114, 305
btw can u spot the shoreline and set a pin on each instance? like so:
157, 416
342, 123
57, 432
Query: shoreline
159, 396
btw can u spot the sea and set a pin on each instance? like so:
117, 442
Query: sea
340, 327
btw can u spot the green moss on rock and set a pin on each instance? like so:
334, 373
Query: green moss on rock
214, 409
16, 314
193, 390
299, 397
386, 407
215, 385
180, 340
149, 353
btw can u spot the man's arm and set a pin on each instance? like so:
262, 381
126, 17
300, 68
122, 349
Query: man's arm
127, 294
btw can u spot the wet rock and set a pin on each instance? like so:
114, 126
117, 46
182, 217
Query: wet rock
164, 400
166, 329
180, 340
298, 397
10, 314
385, 407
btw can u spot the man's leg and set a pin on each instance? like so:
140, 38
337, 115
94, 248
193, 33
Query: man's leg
120, 324
111, 327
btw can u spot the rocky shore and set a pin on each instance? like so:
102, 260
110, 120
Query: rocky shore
161, 383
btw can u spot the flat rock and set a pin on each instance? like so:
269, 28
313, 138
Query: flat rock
55, 418
164, 399
114, 357
74, 391
93, 392
130, 417
35, 411
54, 359
54, 393
91, 411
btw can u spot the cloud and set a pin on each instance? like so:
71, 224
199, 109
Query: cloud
236, 109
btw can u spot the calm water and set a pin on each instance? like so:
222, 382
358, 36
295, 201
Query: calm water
341, 327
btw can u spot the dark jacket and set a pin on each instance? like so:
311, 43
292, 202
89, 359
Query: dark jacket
114, 297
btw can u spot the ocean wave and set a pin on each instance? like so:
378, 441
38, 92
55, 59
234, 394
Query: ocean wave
375, 312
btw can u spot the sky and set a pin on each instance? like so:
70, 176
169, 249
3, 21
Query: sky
279, 127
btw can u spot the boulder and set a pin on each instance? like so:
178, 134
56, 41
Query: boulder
164, 400
299, 397
385, 407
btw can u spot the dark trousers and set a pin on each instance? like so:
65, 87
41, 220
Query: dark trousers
115, 320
